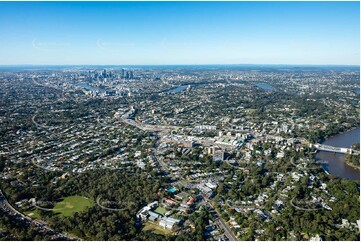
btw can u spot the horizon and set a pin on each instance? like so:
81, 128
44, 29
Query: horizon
180, 33
130, 65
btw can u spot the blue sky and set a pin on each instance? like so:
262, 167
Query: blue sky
101, 33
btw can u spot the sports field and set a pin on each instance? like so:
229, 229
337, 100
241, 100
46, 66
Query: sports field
155, 228
69, 205
161, 210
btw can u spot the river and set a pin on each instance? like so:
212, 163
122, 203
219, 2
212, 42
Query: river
176, 89
265, 87
88, 87
336, 162
184, 86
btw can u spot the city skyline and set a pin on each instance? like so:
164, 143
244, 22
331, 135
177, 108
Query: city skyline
179, 33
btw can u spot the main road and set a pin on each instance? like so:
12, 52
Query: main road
221, 223
218, 219
157, 128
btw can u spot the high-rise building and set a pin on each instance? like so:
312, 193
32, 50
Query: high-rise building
211, 150
218, 155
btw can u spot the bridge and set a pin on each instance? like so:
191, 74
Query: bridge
330, 148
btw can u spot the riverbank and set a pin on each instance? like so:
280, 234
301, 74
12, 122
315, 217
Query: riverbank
352, 165
353, 160
353, 128
323, 139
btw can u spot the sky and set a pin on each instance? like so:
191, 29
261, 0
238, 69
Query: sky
165, 33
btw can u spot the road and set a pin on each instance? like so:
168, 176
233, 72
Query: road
221, 223
155, 155
153, 128
218, 219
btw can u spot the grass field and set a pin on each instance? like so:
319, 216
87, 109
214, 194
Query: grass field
161, 210
155, 228
69, 205
251, 110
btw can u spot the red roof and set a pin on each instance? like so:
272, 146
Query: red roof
170, 201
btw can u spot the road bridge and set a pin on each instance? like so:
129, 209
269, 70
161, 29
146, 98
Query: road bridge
329, 148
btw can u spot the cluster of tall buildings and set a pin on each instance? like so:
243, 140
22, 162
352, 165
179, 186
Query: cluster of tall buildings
104, 75
127, 74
